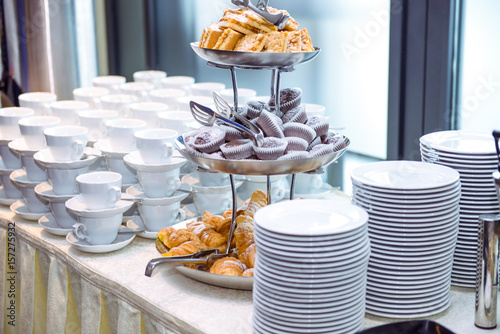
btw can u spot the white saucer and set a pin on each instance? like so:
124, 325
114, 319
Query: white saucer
122, 240
44, 158
138, 195
135, 161
44, 190
19, 177
106, 149
135, 222
20, 147
460, 142
20, 208
48, 222
4, 200
79, 208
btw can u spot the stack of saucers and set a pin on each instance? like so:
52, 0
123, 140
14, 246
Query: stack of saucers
310, 271
472, 155
413, 227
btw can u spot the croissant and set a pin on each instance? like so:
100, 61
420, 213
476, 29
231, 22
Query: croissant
243, 234
186, 248
207, 234
248, 256
173, 238
248, 272
228, 266
257, 201
211, 238
225, 227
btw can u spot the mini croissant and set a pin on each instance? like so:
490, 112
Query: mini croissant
228, 266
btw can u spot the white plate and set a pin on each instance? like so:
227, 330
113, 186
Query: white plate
409, 252
135, 161
4, 200
406, 204
425, 312
424, 308
411, 303
138, 195
20, 208
404, 176
460, 160
405, 212
48, 222
224, 281
408, 297
423, 218
460, 142
480, 158
310, 217
402, 272
424, 196
410, 261
404, 239
406, 285
122, 240
470, 168
78, 207
395, 275
409, 234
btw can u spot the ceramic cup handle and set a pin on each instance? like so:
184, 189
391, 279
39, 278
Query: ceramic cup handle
79, 231
166, 151
181, 215
317, 182
114, 195
279, 193
77, 150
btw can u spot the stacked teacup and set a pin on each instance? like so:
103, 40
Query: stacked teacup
9, 130
31, 174
117, 143
99, 210
212, 190
64, 158
158, 192
279, 186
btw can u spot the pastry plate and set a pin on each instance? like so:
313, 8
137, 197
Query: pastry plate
223, 281
254, 59
261, 167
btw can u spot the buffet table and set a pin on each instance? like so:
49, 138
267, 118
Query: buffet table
50, 287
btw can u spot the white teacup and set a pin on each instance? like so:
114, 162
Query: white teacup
38, 101
159, 184
9, 118
111, 82
168, 96
34, 172
100, 190
183, 102
63, 181
64, 218
207, 88
212, 179
98, 231
67, 111
155, 145
32, 129
34, 203
181, 121
178, 82
138, 89
307, 183
259, 182
11, 159
152, 76
10, 189
118, 102
215, 202
66, 143
244, 95
92, 95
94, 120
156, 217
117, 165
120, 133
148, 111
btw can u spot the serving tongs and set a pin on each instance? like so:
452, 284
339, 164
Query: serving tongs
202, 259
279, 20
208, 117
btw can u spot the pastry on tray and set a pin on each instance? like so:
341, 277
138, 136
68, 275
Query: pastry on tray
243, 30
212, 232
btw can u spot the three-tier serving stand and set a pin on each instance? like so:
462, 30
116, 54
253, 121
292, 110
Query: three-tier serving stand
278, 63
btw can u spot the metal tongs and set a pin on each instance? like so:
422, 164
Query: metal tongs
279, 20
207, 117
202, 259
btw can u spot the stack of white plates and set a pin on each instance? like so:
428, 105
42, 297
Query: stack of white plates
413, 225
310, 272
473, 155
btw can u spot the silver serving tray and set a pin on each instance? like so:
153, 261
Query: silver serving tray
261, 167
223, 281
254, 59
